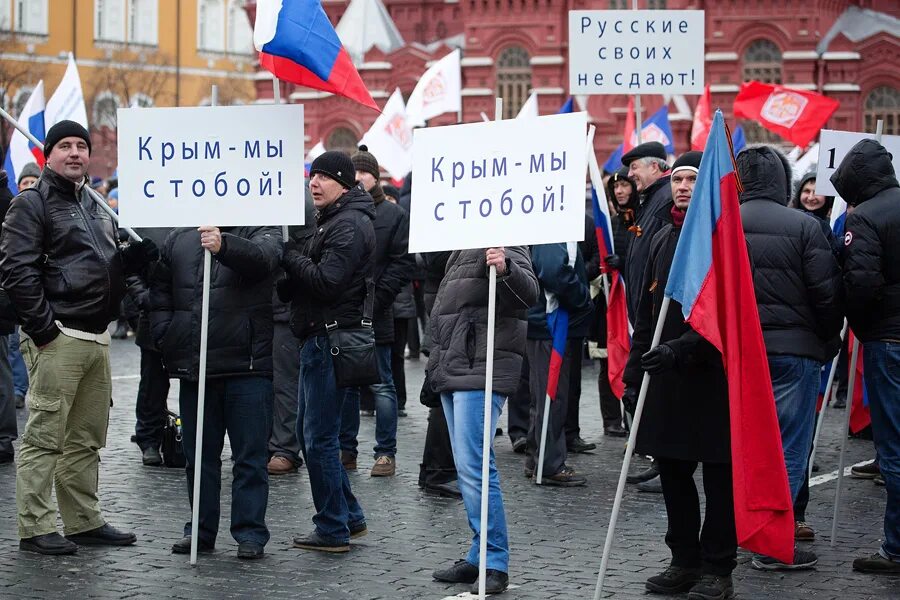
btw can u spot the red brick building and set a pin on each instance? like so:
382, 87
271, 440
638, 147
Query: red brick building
847, 50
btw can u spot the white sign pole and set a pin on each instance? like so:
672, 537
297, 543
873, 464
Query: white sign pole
276, 99
851, 382
629, 451
638, 109
488, 438
95, 196
201, 388
825, 400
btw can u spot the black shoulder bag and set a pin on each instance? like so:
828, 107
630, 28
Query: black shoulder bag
353, 347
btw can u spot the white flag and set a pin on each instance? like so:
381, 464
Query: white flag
315, 152
439, 91
67, 102
390, 138
529, 110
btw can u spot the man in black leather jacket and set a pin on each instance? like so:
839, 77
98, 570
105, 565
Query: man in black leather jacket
61, 265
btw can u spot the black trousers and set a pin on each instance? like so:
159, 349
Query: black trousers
555, 453
573, 430
517, 407
714, 548
437, 458
610, 407
150, 407
398, 364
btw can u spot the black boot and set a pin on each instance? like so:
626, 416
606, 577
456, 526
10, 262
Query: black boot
674, 580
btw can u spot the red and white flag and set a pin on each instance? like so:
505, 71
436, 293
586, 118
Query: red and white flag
795, 115
702, 121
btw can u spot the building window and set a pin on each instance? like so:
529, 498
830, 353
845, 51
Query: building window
762, 62
211, 25
143, 22
31, 16
105, 106
513, 79
618, 4
19, 100
109, 20
240, 34
883, 103
5, 16
140, 100
342, 139
656, 4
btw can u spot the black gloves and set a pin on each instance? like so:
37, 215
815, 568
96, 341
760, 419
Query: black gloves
137, 255
629, 400
284, 289
614, 262
662, 358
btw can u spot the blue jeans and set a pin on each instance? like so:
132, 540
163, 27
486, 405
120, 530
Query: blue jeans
385, 410
465, 420
881, 362
318, 423
795, 383
242, 407
19, 370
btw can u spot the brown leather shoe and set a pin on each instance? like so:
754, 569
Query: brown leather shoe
279, 465
385, 466
803, 532
348, 459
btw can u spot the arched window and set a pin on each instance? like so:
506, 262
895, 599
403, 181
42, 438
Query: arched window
105, 106
240, 34
211, 25
762, 62
342, 139
883, 103
513, 79
141, 101
19, 100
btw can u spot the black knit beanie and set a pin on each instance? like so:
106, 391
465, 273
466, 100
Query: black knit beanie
336, 165
62, 130
365, 161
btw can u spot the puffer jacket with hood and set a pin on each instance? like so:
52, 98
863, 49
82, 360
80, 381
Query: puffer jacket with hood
866, 180
796, 277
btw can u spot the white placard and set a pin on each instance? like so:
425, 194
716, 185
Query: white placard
499, 183
636, 51
834, 146
213, 165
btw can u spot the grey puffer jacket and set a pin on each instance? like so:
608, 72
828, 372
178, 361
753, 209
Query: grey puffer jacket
459, 322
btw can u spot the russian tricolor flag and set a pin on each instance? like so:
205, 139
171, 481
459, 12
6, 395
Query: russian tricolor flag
711, 278
297, 43
21, 151
618, 328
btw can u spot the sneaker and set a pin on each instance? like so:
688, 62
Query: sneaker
385, 466
314, 541
877, 565
580, 446
879, 480
462, 571
674, 580
495, 582
652, 486
348, 459
645, 475
151, 457
519, 445
803, 559
565, 477
865, 471
712, 587
803, 532
280, 465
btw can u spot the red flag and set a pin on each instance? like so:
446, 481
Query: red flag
627, 144
711, 278
618, 334
860, 417
795, 115
702, 120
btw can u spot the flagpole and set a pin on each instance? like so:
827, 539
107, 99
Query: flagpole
629, 451
201, 386
851, 382
95, 196
825, 400
276, 99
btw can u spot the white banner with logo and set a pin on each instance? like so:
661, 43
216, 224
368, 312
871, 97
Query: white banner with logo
390, 138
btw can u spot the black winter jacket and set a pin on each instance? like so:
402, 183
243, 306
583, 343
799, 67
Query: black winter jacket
328, 274
795, 275
653, 215
866, 180
137, 293
686, 412
298, 234
240, 302
459, 322
394, 266
570, 285
69, 269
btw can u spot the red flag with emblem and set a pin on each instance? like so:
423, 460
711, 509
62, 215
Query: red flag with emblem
795, 115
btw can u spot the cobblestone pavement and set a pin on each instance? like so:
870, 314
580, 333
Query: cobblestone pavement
556, 534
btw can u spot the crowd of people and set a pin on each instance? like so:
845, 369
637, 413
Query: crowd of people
307, 325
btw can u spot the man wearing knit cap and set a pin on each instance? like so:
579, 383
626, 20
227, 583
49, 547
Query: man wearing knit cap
393, 269
62, 268
28, 176
327, 282
797, 282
